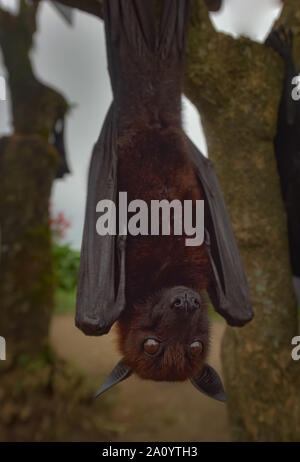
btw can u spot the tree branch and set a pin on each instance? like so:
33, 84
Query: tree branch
93, 7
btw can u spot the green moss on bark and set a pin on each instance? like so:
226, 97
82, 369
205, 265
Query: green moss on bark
236, 86
27, 168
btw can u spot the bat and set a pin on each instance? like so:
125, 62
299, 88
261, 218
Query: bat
287, 143
154, 286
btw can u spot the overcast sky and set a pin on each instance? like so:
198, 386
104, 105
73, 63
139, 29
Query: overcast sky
72, 59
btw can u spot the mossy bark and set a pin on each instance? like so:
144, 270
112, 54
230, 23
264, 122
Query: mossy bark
27, 169
41, 397
47, 399
28, 166
236, 85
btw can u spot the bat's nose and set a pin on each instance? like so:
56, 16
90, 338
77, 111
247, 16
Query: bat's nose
186, 301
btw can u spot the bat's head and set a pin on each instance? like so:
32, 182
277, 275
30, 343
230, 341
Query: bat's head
166, 338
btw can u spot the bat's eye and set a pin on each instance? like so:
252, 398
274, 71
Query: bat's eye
151, 346
196, 348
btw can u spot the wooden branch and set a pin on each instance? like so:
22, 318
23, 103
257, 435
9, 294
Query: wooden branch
25, 18
35, 106
204, 52
216, 62
236, 85
93, 7
200, 18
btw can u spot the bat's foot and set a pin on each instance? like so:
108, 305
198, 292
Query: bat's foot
281, 40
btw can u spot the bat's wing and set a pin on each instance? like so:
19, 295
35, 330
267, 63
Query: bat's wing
101, 287
229, 290
129, 29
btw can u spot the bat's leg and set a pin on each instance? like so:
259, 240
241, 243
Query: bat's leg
281, 40
287, 141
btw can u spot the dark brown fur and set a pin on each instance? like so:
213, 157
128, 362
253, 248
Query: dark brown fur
153, 165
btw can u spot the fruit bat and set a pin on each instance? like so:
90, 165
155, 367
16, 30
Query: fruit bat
153, 286
287, 143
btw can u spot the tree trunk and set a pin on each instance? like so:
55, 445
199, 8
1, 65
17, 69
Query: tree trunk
236, 86
27, 169
42, 398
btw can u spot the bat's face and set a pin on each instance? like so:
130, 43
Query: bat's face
166, 337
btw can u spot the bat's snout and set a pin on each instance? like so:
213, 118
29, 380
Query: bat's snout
186, 301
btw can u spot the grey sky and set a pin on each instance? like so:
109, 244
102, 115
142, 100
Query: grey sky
73, 61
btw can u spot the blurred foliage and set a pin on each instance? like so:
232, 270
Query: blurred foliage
66, 265
58, 224
64, 302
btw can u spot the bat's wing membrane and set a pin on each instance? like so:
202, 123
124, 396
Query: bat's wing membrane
97, 306
228, 290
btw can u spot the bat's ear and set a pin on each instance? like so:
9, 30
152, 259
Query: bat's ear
210, 383
119, 373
